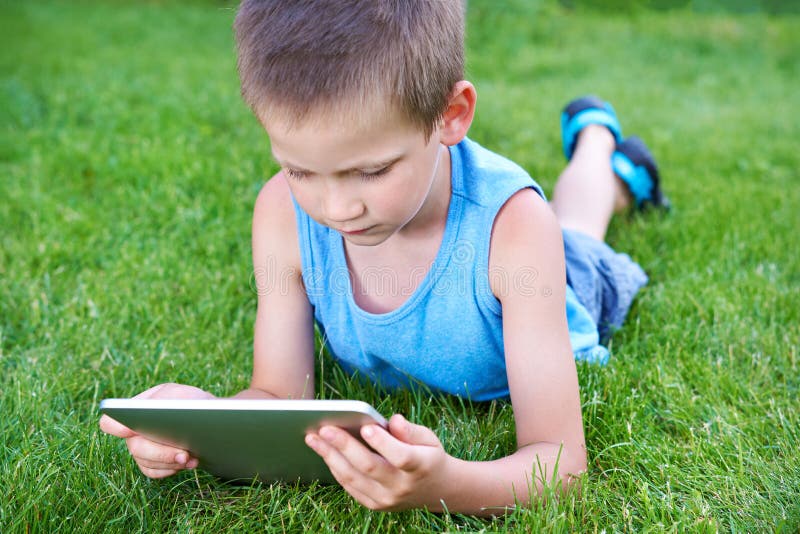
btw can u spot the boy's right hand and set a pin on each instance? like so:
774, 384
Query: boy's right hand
154, 459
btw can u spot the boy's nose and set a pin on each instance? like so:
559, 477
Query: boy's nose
341, 207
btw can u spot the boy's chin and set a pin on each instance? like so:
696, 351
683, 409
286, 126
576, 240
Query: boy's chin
368, 238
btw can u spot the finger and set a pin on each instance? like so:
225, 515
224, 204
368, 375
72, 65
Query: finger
148, 393
157, 456
365, 498
115, 428
171, 390
157, 473
191, 463
344, 473
359, 456
350, 478
408, 432
398, 452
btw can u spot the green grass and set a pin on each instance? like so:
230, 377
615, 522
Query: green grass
128, 170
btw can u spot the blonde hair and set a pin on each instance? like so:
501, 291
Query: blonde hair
299, 56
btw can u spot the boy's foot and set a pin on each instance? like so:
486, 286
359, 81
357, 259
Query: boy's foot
632, 160
635, 165
582, 112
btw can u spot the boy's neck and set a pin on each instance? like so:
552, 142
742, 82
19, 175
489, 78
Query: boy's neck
432, 216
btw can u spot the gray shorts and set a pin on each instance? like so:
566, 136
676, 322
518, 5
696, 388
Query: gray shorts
604, 280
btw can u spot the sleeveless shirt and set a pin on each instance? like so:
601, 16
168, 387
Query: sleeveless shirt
448, 334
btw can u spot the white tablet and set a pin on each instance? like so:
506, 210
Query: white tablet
245, 439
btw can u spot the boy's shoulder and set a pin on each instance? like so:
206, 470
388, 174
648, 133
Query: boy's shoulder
487, 174
274, 199
274, 219
481, 159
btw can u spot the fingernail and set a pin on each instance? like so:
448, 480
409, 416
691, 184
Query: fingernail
181, 458
193, 463
311, 441
368, 431
327, 433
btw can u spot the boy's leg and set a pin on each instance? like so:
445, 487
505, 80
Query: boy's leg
588, 192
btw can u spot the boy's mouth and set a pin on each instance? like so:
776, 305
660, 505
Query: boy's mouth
354, 232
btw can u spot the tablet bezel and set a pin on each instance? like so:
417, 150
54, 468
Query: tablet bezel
208, 428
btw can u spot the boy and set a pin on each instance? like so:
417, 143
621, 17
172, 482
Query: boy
367, 113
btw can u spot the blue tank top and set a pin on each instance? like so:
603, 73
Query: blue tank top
448, 334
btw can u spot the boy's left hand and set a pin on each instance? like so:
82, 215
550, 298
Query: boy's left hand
408, 471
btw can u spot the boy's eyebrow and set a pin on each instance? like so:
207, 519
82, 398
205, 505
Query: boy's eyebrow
364, 165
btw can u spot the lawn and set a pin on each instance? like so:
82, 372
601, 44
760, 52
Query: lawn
128, 171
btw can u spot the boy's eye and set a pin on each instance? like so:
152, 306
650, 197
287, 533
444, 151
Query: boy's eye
371, 175
365, 175
297, 175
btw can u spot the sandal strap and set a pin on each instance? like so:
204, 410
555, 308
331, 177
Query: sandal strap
582, 112
635, 165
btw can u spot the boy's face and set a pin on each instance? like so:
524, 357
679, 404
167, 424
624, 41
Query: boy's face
366, 179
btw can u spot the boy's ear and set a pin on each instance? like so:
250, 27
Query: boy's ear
460, 111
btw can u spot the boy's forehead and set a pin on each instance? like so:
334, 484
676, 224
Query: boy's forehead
344, 140
320, 150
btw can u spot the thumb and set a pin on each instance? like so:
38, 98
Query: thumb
115, 428
411, 433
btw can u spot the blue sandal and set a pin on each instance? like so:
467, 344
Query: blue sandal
582, 112
636, 166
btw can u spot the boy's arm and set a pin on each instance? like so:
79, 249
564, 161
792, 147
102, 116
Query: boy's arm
283, 341
413, 469
542, 377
